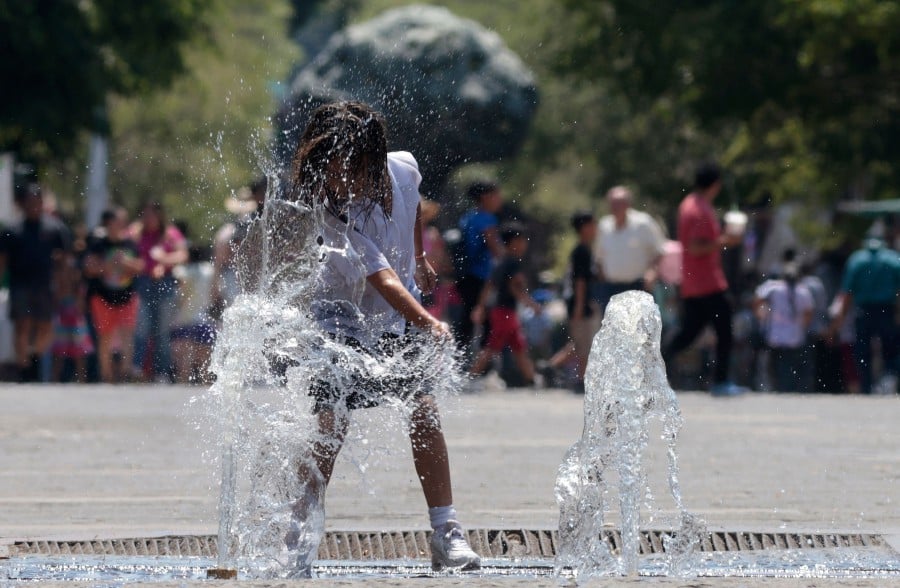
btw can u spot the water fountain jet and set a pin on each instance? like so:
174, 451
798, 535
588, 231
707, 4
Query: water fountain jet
625, 387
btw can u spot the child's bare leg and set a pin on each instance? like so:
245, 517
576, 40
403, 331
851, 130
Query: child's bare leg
43, 337
80, 370
485, 356
105, 357
332, 432
526, 366
429, 451
22, 329
126, 352
58, 361
563, 355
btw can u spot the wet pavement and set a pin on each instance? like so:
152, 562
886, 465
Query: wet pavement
81, 462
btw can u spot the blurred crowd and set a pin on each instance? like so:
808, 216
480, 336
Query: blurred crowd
134, 301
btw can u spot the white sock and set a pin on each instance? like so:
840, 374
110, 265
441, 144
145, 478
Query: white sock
439, 515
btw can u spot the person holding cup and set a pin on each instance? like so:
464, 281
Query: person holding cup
703, 286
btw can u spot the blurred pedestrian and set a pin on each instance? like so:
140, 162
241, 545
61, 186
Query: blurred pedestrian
784, 309
193, 329
871, 284
112, 264
71, 336
703, 285
245, 208
162, 247
584, 317
814, 374
434, 248
33, 251
481, 248
628, 247
509, 286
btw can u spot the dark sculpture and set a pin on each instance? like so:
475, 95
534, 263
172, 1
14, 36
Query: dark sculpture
451, 91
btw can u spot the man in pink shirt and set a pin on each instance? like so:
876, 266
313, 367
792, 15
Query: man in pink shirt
703, 284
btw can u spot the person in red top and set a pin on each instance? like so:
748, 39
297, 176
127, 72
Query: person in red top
703, 286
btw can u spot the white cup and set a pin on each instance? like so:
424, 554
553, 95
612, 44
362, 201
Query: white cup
735, 223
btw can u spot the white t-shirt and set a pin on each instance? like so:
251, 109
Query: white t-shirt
393, 241
625, 254
783, 326
346, 258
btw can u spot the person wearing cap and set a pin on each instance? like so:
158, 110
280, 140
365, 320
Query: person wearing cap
628, 247
245, 207
871, 284
784, 309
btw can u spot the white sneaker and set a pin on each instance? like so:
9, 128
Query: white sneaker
449, 549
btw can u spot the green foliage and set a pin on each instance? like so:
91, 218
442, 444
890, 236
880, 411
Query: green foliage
797, 98
805, 92
199, 141
62, 58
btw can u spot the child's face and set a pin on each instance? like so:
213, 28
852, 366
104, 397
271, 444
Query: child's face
517, 246
118, 225
492, 201
588, 231
33, 206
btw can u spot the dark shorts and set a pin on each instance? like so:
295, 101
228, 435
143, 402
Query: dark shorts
202, 333
31, 302
367, 391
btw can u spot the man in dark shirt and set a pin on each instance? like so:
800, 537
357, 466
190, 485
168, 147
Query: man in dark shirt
32, 250
508, 281
583, 317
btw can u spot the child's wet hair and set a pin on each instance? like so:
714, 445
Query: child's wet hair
353, 136
511, 230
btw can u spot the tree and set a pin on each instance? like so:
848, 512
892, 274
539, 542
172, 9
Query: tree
63, 58
807, 93
199, 140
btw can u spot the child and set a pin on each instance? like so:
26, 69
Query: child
508, 280
583, 315
71, 339
785, 309
482, 249
371, 238
113, 264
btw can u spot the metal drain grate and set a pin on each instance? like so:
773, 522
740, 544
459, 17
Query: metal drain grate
488, 543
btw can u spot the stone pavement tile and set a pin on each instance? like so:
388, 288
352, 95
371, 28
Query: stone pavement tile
99, 461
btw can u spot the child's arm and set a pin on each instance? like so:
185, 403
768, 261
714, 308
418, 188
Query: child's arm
520, 290
494, 244
388, 284
579, 297
479, 308
426, 277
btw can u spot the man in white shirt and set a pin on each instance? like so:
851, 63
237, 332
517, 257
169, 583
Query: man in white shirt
628, 248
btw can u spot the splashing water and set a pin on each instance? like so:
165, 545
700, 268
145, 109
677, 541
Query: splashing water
625, 386
270, 350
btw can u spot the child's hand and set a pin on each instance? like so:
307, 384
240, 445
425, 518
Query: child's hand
426, 277
441, 331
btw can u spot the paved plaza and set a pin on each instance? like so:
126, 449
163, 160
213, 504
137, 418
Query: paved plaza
83, 462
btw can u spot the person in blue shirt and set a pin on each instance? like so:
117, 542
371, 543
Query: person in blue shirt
871, 284
482, 248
